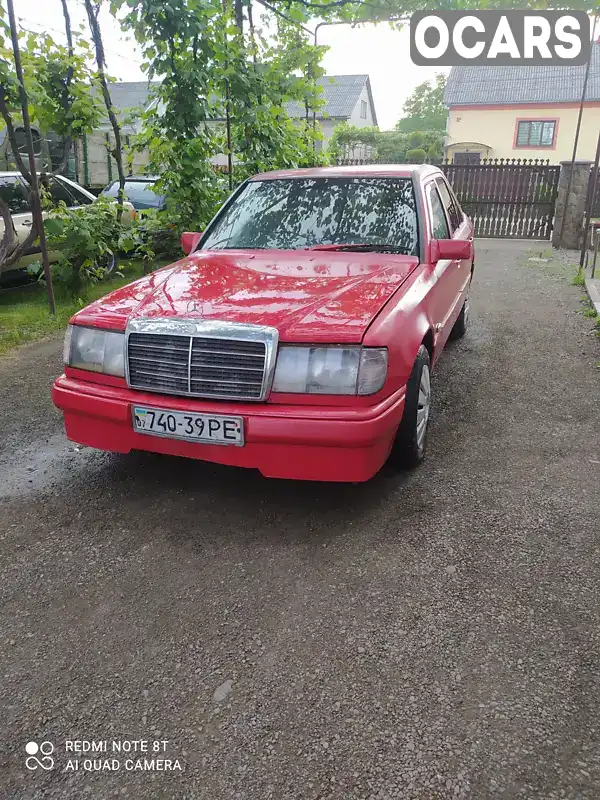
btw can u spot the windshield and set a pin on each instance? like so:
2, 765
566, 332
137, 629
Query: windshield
289, 214
140, 194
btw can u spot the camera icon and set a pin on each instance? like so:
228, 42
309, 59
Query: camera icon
45, 761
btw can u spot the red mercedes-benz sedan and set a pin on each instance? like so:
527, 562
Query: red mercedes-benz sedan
297, 336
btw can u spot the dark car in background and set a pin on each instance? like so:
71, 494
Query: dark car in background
139, 191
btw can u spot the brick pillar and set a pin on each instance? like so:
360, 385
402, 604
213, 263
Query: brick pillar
573, 207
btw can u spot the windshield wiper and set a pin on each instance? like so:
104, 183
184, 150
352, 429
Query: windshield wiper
375, 247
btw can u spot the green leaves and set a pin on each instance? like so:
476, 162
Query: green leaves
59, 84
425, 109
87, 238
385, 147
212, 70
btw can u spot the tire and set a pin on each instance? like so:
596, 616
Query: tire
462, 322
109, 264
410, 444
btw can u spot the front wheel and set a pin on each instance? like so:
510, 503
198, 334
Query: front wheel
460, 326
409, 447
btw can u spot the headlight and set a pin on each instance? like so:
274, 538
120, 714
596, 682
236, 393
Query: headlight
95, 350
330, 370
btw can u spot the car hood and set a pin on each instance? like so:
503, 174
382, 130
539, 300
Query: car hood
308, 295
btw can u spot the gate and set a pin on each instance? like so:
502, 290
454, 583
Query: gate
507, 197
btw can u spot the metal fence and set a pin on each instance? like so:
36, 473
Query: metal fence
507, 198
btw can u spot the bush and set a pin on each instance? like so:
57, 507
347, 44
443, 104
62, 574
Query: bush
388, 147
153, 234
416, 156
416, 139
87, 240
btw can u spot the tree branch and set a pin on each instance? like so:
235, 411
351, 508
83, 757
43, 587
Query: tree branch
10, 130
69, 35
238, 8
92, 13
11, 249
357, 3
9, 236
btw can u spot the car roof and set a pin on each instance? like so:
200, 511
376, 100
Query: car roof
352, 171
17, 174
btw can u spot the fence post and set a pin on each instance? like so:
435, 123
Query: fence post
86, 165
571, 207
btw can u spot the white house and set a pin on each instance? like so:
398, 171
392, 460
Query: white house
347, 98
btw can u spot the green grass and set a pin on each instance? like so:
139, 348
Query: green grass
589, 311
24, 312
554, 263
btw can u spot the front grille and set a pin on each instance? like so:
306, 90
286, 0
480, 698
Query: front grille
197, 365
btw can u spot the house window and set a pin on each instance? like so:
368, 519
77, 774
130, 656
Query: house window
363, 109
535, 133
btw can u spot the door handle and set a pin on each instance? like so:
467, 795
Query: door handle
28, 222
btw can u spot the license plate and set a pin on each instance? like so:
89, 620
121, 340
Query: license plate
206, 428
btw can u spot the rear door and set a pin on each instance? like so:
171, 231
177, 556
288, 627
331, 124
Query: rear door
15, 194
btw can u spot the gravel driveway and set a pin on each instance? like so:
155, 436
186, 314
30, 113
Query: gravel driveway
432, 635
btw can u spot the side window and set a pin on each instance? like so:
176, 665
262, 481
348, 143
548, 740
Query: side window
58, 192
81, 199
450, 203
14, 194
439, 224
112, 189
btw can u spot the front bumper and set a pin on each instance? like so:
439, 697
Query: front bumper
282, 441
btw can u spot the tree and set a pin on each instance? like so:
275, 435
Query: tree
58, 89
223, 88
425, 110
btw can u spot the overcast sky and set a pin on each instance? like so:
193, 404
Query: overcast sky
378, 51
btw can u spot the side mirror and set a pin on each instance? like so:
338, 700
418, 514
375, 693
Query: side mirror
451, 249
189, 241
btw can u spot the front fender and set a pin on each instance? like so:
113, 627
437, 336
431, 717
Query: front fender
402, 326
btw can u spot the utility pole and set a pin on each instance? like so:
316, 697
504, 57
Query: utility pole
228, 106
36, 205
577, 130
589, 206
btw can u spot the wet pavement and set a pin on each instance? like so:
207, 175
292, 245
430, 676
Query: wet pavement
426, 635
